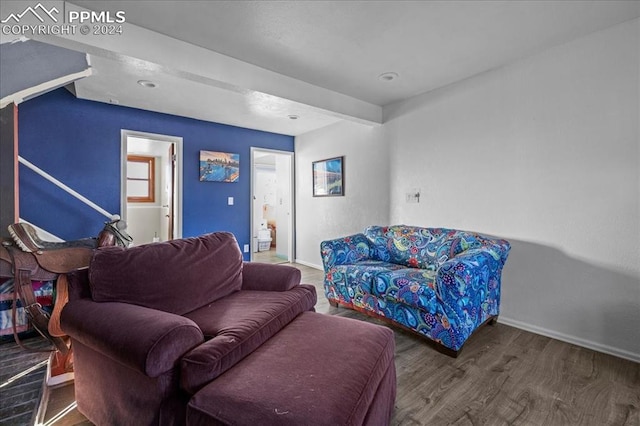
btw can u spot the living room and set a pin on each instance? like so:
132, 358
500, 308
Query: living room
541, 150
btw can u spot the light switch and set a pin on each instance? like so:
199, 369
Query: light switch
230, 201
413, 195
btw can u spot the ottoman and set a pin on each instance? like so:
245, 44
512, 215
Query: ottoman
318, 370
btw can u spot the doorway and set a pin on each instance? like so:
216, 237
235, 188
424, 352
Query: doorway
151, 186
272, 205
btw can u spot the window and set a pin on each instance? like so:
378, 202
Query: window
140, 179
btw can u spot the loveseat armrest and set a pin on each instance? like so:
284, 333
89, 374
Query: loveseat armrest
495, 246
269, 277
144, 339
469, 272
345, 250
469, 286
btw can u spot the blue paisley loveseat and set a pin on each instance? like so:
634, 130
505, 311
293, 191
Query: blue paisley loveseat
440, 283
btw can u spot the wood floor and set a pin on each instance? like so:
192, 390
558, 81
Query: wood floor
19, 396
503, 376
268, 256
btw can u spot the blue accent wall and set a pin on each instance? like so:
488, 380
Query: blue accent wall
78, 142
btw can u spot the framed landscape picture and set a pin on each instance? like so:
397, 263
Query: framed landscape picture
328, 177
219, 166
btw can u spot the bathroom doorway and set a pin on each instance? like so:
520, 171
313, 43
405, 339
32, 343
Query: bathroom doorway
272, 206
151, 193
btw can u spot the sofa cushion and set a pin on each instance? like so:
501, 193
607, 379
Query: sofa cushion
360, 274
176, 276
413, 287
237, 325
425, 248
319, 370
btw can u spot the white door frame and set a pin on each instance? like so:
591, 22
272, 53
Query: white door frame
177, 190
291, 228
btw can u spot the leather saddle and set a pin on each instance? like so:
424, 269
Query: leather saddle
28, 258
52, 257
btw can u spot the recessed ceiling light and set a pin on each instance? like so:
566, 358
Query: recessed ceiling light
293, 117
388, 76
148, 84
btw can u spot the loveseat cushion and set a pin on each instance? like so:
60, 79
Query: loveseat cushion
425, 248
413, 287
361, 274
236, 325
176, 276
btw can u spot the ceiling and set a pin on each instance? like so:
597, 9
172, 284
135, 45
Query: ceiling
19, 59
255, 63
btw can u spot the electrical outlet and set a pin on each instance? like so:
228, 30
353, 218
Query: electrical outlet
246, 248
230, 201
413, 195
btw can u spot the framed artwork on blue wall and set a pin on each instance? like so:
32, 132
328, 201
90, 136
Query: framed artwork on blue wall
219, 166
328, 177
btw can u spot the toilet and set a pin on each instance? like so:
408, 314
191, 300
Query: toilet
264, 240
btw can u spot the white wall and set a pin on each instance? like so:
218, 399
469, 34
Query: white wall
545, 153
366, 183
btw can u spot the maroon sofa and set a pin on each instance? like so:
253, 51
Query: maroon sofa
151, 325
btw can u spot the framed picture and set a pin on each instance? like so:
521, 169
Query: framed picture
328, 177
219, 166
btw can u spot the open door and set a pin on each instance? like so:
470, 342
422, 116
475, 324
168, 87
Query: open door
170, 213
272, 212
151, 186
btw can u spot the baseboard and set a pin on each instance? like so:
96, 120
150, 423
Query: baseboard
620, 353
310, 265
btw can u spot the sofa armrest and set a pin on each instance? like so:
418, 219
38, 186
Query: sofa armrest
469, 286
469, 272
269, 277
144, 339
502, 249
346, 250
